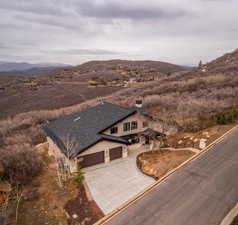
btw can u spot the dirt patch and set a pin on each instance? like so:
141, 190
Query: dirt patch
158, 163
183, 140
44, 202
81, 211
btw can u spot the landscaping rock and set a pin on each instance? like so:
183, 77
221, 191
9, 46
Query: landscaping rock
75, 216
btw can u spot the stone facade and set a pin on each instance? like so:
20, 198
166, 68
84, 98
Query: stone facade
59, 156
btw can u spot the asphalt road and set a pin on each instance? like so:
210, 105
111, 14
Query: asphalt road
201, 193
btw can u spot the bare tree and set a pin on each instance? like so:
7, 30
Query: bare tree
200, 64
63, 163
18, 197
70, 144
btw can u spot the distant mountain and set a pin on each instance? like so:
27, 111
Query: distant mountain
14, 66
28, 69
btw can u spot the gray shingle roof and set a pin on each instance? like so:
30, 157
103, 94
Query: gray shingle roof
85, 127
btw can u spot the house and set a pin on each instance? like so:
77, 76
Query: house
98, 134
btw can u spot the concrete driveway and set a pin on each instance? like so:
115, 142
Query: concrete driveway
201, 193
113, 184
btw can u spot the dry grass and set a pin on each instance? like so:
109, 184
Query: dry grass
191, 139
44, 202
158, 163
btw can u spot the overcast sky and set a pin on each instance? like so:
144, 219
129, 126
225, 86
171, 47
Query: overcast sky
75, 31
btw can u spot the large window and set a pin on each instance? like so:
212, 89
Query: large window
133, 125
126, 126
114, 130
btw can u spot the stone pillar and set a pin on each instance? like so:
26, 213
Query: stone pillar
107, 156
124, 152
73, 165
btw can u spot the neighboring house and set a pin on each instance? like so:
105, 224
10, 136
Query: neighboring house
98, 134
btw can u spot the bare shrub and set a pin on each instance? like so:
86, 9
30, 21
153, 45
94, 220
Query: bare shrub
17, 138
20, 162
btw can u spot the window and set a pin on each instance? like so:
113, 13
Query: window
114, 130
126, 126
133, 125
145, 124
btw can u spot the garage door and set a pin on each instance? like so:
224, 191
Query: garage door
91, 159
115, 153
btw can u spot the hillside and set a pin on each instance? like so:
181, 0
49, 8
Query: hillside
191, 99
117, 69
68, 86
182, 97
227, 63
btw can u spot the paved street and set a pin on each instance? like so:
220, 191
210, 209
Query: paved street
202, 193
114, 183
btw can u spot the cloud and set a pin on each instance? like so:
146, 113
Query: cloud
43, 7
3, 46
88, 52
123, 10
74, 31
52, 21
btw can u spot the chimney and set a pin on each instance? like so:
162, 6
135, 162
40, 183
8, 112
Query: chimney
139, 103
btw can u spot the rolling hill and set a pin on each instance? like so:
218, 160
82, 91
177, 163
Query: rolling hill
186, 98
68, 86
116, 69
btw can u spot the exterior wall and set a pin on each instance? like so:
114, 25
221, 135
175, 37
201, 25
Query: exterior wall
100, 146
105, 146
136, 117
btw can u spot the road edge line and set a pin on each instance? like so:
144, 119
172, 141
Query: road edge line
162, 179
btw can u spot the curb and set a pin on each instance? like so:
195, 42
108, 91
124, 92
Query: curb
230, 216
148, 189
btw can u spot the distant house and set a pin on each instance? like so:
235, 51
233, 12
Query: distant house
98, 134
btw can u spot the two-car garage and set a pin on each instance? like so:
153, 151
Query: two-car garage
99, 157
91, 159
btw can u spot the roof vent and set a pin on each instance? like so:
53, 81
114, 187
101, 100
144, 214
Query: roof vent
76, 119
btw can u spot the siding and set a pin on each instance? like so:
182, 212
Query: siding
136, 117
101, 146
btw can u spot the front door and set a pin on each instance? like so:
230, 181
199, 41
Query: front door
147, 140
